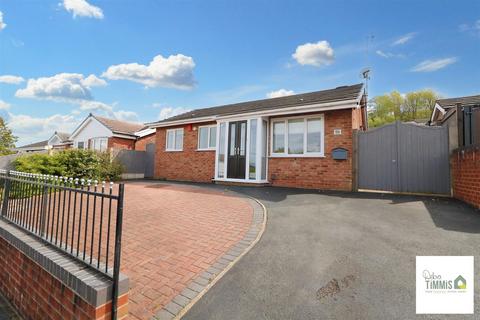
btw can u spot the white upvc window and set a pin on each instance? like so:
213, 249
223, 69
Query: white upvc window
207, 137
298, 136
99, 144
174, 140
80, 145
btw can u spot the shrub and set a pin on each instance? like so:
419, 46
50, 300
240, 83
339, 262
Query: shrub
73, 163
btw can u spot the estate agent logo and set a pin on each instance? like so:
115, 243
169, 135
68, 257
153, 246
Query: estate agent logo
444, 285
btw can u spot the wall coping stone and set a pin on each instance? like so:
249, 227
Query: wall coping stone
88, 283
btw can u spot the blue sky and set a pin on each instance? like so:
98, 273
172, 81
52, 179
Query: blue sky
142, 60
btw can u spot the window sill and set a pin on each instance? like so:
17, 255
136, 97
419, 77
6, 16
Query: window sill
297, 156
206, 149
173, 150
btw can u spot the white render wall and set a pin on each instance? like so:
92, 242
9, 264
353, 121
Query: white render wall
92, 129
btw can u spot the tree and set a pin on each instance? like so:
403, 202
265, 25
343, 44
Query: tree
413, 106
7, 139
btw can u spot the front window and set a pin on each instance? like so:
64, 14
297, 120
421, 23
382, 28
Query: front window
279, 137
174, 140
98, 144
207, 137
80, 145
298, 136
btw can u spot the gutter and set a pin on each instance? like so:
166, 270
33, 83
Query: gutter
346, 104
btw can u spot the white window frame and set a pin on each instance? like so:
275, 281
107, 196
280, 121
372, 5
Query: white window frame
174, 139
209, 148
98, 140
83, 147
305, 154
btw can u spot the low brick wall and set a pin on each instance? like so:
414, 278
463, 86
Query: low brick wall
43, 283
465, 169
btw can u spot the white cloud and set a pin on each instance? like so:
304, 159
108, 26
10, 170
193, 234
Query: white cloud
4, 105
433, 65
126, 115
93, 81
31, 129
388, 55
95, 106
473, 28
176, 71
82, 8
404, 39
315, 54
280, 93
3, 25
168, 112
63, 87
11, 79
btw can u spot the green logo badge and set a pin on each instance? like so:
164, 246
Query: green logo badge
460, 283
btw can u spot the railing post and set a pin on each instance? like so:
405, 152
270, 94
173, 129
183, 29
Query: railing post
43, 213
6, 191
118, 250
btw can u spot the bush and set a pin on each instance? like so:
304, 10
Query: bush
73, 163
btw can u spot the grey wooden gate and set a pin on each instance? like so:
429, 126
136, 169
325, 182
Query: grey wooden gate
150, 160
404, 157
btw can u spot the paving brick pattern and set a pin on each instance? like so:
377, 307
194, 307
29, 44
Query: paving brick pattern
200, 284
176, 239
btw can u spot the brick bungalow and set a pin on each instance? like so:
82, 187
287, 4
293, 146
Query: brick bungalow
287, 141
102, 134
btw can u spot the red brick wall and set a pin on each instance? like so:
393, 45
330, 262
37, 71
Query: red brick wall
465, 170
319, 173
142, 142
186, 165
36, 294
121, 143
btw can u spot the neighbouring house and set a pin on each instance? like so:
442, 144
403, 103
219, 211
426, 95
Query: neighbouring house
145, 136
462, 116
102, 134
464, 110
33, 147
59, 141
303, 140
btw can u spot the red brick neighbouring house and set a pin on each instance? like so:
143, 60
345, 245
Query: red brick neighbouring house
102, 134
286, 141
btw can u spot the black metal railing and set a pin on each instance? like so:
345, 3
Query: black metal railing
82, 218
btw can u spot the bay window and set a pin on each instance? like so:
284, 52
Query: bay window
298, 136
174, 140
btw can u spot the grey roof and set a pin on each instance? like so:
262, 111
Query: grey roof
465, 101
118, 126
63, 136
35, 145
325, 96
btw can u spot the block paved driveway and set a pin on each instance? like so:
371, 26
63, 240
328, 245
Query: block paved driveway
172, 233
341, 256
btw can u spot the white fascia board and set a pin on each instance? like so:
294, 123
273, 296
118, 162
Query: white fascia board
124, 136
347, 104
437, 108
145, 132
293, 110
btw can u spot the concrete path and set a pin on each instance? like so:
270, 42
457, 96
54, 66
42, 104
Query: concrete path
340, 256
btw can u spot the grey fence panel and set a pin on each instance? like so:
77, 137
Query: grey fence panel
150, 160
133, 162
377, 156
404, 157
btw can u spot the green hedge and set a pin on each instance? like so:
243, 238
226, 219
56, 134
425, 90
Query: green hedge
73, 163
